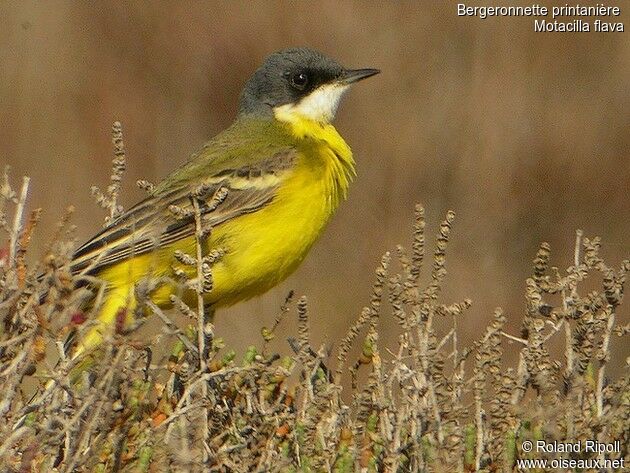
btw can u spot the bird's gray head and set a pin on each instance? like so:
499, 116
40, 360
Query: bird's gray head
298, 84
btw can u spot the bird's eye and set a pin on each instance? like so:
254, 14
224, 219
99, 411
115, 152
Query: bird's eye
299, 80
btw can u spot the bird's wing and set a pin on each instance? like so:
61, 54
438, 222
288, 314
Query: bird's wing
167, 216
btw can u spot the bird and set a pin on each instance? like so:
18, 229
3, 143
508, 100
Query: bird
265, 187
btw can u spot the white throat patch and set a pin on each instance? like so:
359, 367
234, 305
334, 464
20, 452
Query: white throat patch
320, 105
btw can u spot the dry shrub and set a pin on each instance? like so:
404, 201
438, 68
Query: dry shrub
428, 405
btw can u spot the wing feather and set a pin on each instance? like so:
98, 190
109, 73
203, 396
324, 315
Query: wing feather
150, 224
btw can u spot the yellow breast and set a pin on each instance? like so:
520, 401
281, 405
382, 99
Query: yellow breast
265, 247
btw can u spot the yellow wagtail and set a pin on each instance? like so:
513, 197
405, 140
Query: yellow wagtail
285, 169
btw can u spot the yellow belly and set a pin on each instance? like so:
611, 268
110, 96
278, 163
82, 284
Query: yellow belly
265, 247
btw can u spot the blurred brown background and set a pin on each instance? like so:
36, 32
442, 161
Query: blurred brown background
525, 135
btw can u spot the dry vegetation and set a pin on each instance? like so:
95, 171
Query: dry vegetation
431, 404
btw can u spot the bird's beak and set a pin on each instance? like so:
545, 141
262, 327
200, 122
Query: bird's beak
350, 76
